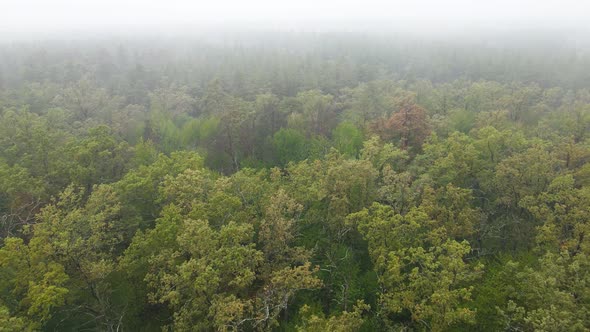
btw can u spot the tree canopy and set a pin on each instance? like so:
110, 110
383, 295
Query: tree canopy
352, 186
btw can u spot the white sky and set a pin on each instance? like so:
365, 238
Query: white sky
32, 16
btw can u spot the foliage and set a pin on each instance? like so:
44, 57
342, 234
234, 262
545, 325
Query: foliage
304, 188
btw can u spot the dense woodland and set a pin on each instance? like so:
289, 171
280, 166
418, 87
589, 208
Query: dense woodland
295, 182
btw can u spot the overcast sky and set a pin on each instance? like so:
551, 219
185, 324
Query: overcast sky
42, 16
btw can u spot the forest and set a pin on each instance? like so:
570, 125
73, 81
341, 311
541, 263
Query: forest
295, 182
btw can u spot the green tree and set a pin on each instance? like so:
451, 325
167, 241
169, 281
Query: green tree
345, 322
347, 139
289, 145
86, 236
422, 273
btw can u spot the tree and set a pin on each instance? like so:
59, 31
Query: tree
20, 199
234, 132
421, 272
523, 174
383, 154
289, 145
32, 287
562, 211
409, 125
551, 297
317, 113
99, 158
284, 284
347, 139
270, 116
453, 160
173, 101
85, 237
201, 265
345, 322
85, 99
277, 231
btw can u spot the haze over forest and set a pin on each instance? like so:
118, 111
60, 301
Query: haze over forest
294, 165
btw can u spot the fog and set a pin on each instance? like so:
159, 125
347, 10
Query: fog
294, 165
40, 19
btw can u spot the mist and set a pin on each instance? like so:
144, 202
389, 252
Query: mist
63, 19
294, 165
